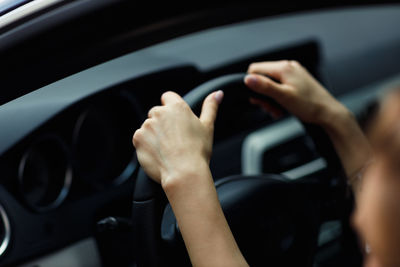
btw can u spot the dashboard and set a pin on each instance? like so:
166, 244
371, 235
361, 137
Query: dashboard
66, 158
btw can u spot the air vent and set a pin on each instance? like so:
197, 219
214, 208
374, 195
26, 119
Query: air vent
45, 173
290, 155
5, 231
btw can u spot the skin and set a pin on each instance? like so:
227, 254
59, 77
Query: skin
174, 148
180, 165
303, 96
377, 217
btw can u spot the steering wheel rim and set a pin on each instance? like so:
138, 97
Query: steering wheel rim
149, 200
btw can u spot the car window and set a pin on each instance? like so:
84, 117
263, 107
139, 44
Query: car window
8, 5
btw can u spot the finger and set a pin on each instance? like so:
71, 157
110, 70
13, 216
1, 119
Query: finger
265, 86
274, 69
169, 97
267, 107
154, 112
210, 108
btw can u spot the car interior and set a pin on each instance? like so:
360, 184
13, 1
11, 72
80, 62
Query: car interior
78, 78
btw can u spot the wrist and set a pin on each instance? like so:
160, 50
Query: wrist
349, 141
337, 120
186, 177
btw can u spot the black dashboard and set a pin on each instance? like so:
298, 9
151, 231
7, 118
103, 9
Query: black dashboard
66, 158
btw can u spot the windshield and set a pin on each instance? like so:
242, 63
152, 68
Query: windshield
8, 5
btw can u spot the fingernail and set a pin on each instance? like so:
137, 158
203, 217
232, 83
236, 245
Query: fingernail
219, 95
250, 80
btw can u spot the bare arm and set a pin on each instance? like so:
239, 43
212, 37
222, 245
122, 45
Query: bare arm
306, 98
174, 148
351, 145
206, 233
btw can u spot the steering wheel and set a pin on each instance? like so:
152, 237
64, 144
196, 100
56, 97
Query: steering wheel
249, 203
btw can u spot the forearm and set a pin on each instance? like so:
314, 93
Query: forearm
303, 96
349, 141
205, 231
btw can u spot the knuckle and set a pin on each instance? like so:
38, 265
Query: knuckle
181, 105
137, 136
252, 67
296, 65
154, 112
146, 124
165, 94
290, 65
150, 113
286, 65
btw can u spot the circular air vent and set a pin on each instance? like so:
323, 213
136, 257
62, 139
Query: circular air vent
102, 141
5, 231
45, 174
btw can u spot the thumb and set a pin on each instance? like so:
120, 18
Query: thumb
210, 108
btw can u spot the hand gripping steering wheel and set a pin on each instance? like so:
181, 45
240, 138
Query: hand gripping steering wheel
253, 205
